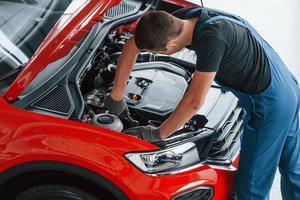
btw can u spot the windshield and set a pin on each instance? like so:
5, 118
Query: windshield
24, 24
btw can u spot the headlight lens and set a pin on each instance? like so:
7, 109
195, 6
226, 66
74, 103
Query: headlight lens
167, 160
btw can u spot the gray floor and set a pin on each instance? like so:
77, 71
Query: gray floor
278, 22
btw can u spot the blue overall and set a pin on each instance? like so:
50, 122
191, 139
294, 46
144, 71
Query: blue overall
271, 134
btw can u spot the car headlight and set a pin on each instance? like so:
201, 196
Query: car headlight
169, 160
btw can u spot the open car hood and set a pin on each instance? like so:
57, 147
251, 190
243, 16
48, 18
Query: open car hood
78, 19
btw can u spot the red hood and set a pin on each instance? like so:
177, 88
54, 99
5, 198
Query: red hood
77, 20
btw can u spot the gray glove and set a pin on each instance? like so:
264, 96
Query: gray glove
115, 107
148, 133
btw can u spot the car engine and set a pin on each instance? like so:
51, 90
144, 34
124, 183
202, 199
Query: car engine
155, 87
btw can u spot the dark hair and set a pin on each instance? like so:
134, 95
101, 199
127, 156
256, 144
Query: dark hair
155, 28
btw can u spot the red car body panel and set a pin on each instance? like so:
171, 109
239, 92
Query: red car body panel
164, 187
26, 136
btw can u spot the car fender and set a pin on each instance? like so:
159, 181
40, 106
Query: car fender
40, 143
26, 137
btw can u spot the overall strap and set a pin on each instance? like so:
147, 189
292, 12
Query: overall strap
204, 22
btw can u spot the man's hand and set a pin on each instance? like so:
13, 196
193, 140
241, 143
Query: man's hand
115, 107
147, 133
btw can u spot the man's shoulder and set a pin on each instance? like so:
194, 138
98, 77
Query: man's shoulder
212, 34
217, 29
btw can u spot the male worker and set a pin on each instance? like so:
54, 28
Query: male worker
233, 54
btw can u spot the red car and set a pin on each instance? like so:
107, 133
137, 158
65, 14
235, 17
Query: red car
57, 140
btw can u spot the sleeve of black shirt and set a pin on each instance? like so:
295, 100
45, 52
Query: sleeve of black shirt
210, 51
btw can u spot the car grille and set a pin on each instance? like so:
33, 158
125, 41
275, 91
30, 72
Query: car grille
56, 101
201, 193
123, 8
227, 140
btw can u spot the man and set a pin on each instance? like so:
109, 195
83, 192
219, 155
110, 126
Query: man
233, 54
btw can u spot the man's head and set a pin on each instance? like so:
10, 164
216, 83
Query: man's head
156, 30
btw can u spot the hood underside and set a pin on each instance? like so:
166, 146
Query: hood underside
77, 20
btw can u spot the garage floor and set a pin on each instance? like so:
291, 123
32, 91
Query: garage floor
278, 22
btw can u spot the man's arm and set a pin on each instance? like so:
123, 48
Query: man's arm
124, 67
190, 103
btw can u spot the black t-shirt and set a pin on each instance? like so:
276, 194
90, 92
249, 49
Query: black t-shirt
230, 50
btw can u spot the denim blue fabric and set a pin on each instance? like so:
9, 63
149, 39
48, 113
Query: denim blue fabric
271, 135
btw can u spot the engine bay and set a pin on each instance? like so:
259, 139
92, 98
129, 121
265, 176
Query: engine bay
156, 85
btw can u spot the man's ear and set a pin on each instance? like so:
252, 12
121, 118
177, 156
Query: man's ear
171, 44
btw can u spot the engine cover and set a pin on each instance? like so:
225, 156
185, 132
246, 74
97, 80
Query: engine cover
155, 88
